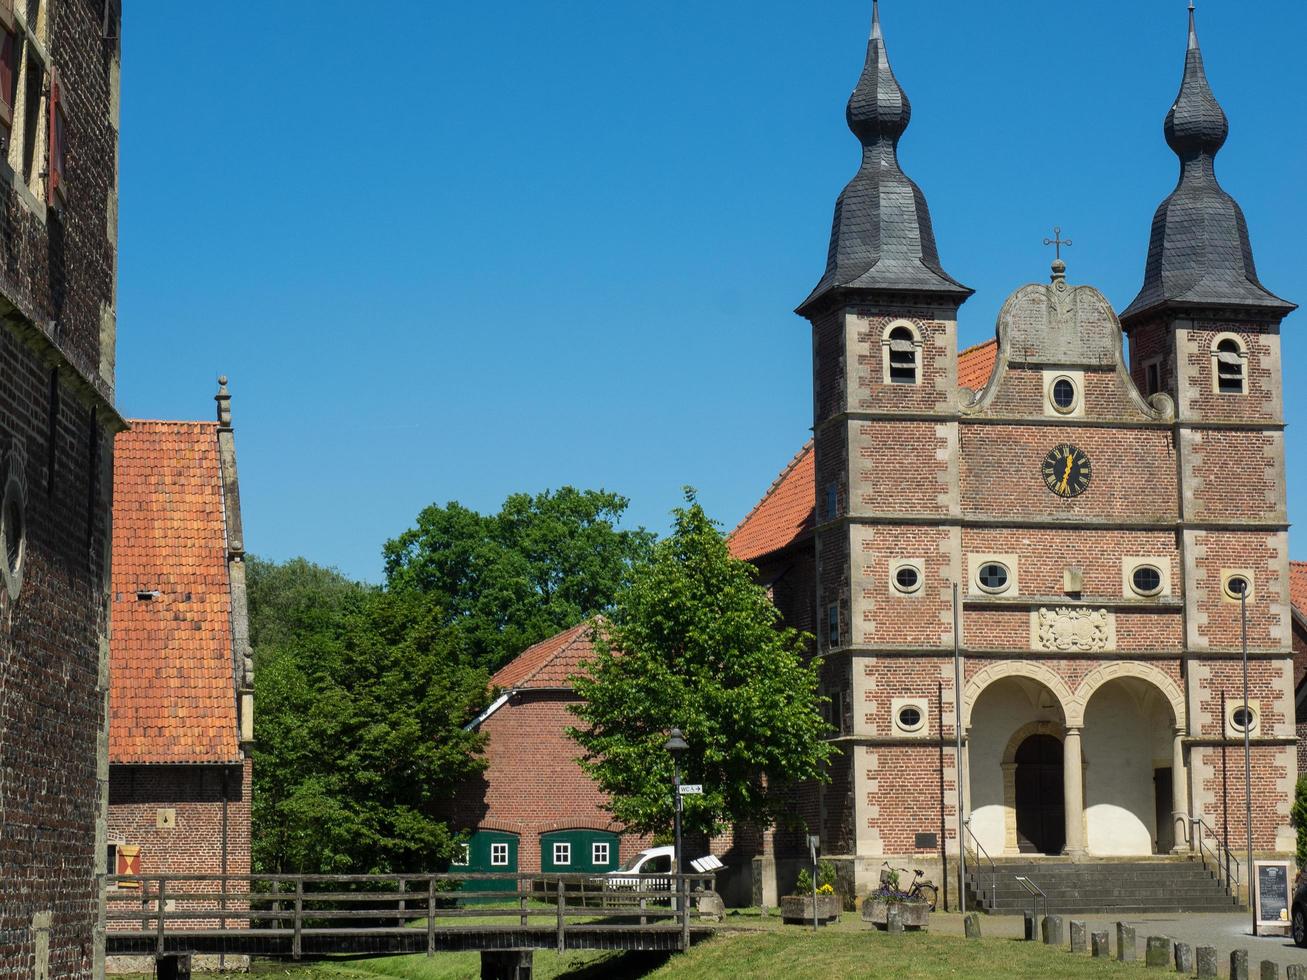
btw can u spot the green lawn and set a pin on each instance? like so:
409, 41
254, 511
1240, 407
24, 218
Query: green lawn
761, 948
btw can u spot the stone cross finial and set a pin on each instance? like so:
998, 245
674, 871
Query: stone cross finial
1058, 241
223, 398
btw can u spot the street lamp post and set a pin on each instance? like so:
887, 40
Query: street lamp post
675, 745
1247, 748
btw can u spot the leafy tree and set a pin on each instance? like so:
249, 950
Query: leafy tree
361, 697
1298, 817
694, 643
508, 580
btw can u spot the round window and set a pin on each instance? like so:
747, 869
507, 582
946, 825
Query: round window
1063, 394
1237, 586
907, 578
993, 576
1146, 580
910, 718
13, 536
1244, 719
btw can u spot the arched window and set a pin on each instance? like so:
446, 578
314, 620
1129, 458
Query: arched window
1230, 366
902, 354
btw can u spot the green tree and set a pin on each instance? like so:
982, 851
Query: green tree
1298, 817
694, 642
508, 580
361, 697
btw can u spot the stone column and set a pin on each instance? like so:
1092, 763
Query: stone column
1073, 793
1179, 791
1010, 809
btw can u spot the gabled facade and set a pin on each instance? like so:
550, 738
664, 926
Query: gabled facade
181, 694
1098, 516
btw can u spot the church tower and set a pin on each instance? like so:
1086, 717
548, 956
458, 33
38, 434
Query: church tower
884, 327
1206, 331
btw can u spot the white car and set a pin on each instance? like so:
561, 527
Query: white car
651, 861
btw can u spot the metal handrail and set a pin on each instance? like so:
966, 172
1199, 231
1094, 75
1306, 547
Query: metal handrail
993, 868
1036, 894
1229, 866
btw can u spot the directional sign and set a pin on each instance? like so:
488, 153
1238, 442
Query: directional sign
692, 789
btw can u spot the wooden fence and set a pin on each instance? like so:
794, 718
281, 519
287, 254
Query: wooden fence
313, 915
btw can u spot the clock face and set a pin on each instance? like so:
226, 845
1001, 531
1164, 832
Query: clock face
1066, 471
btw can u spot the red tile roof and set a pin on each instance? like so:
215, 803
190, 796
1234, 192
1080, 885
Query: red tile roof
976, 364
172, 695
551, 662
785, 515
1298, 585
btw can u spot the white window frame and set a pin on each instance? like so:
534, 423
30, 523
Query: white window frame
1130, 564
918, 566
1077, 381
1241, 349
595, 851
976, 562
499, 854
917, 346
564, 848
464, 857
921, 706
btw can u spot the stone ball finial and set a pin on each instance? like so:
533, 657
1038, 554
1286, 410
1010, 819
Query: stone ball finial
222, 380
1059, 269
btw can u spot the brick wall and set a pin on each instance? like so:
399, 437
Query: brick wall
56, 386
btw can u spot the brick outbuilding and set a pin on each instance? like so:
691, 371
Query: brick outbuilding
181, 677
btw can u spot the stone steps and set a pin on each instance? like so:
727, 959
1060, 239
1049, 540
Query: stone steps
1126, 887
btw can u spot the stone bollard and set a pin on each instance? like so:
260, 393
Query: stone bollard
1031, 928
1270, 970
894, 925
1184, 959
971, 925
1239, 964
1098, 941
1158, 951
1078, 936
1127, 949
1053, 930
1296, 972
1206, 956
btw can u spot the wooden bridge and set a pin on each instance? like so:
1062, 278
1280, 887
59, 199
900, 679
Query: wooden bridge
310, 916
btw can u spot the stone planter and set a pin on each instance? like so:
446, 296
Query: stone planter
797, 909
916, 915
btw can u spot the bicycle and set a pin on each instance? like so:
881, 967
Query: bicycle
922, 888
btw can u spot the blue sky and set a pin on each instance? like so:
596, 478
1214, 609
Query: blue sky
468, 249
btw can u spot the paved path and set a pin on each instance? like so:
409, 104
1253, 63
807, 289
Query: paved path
1225, 930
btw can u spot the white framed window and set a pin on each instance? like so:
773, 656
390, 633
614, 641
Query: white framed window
1229, 365
901, 353
1236, 583
499, 855
599, 853
562, 852
462, 857
1064, 393
993, 574
906, 576
1237, 719
1145, 576
833, 625
910, 717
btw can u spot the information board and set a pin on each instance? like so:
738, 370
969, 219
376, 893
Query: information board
1272, 898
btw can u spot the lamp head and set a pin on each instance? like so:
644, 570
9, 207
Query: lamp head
676, 742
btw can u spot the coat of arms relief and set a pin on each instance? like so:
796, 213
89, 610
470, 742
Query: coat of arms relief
1073, 630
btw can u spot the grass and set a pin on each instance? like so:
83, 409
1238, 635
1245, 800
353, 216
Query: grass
751, 945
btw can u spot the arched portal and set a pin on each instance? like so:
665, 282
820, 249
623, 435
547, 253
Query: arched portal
1039, 800
1130, 780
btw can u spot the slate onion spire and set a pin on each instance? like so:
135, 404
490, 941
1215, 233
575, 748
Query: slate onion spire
881, 238
1200, 253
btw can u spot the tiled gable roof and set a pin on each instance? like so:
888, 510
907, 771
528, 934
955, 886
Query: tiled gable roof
172, 696
786, 513
551, 662
1298, 585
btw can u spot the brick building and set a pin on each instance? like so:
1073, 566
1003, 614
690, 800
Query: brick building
181, 677
534, 809
1099, 498
59, 72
